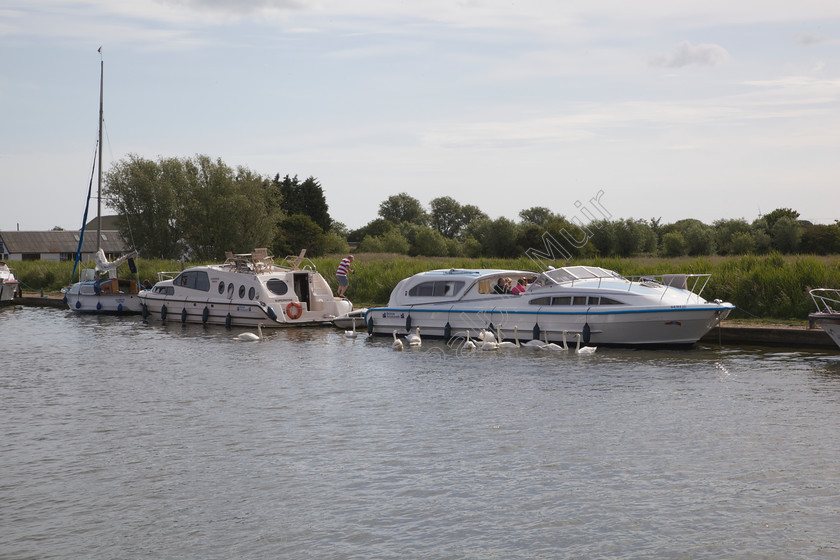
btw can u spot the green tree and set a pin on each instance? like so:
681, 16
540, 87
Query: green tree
726, 230
225, 210
821, 239
699, 239
298, 232
774, 216
786, 234
446, 216
305, 198
403, 208
741, 243
673, 244
539, 215
374, 228
148, 197
430, 243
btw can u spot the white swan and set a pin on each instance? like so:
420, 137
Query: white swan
490, 345
534, 344
397, 345
506, 343
551, 346
249, 336
486, 336
414, 339
469, 344
351, 334
585, 349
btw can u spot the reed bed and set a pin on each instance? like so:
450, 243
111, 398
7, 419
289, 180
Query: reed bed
770, 287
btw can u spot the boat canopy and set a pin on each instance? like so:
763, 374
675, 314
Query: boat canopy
574, 273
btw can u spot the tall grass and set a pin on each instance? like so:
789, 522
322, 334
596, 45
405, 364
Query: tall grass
771, 286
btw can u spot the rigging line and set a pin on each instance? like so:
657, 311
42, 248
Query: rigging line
84, 218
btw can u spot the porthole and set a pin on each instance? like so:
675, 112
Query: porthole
230, 290
221, 287
241, 292
277, 287
252, 293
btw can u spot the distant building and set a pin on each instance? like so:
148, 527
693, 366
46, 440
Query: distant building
62, 245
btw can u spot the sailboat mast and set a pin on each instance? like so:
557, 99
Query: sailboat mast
99, 176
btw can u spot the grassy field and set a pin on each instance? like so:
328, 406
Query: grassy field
768, 287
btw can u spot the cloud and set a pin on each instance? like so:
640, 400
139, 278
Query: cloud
686, 54
808, 39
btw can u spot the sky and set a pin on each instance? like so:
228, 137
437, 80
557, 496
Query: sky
657, 109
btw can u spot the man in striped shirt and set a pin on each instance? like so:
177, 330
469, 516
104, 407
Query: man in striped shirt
341, 274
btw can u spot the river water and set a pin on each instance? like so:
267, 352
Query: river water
122, 439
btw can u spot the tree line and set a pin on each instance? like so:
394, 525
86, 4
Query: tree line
200, 207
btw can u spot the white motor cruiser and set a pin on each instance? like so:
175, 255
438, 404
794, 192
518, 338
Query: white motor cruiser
246, 290
8, 283
604, 307
827, 315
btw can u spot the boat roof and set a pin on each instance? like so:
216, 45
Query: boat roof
474, 272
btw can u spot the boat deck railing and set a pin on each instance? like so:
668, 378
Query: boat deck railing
827, 300
694, 284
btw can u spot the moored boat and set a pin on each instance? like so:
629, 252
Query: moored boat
827, 315
354, 319
9, 285
246, 290
94, 292
604, 307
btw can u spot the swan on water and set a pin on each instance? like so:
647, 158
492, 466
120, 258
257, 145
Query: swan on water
507, 344
585, 349
249, 336
414, 338
351, 334
398, 344
553, 347
469, 344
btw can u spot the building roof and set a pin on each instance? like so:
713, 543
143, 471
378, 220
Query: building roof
61, 241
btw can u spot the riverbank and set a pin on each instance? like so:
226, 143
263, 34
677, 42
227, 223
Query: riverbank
738, 332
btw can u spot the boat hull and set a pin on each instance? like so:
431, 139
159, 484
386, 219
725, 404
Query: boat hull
233, 295
94, 297
211, 312
628, 327
830, 323
8, 289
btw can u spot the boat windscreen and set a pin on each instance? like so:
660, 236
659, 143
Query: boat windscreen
572, 273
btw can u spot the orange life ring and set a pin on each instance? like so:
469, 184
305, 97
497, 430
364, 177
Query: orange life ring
294, 310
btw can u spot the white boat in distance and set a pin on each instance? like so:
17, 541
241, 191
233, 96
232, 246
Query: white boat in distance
603, 306
8, 283
246, 290
827, 315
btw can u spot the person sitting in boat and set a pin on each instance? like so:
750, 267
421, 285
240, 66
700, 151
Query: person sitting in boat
520, 287
502, 286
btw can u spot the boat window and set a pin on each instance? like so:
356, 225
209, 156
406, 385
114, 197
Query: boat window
241, 292
541, 301
166, 290
251, 293
594, 300
221, 287
610, 301
565, 300
193, 279
436, 288
230, 290
277, 287
579, 300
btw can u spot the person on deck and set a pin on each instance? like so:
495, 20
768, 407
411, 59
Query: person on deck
342, 272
